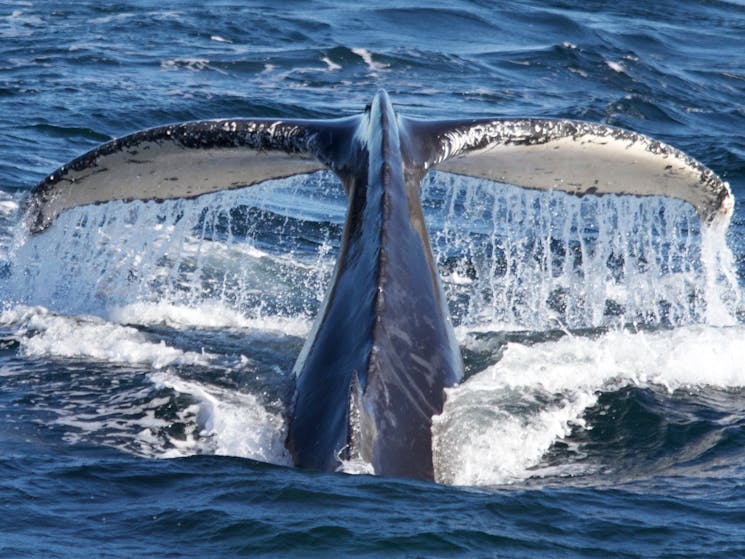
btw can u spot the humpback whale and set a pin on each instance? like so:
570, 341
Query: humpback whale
382, 350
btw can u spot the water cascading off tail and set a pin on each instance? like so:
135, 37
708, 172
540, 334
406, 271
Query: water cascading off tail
510, 258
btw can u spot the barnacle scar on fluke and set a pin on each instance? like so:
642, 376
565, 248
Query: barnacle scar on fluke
373, 371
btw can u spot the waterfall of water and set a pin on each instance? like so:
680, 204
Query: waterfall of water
509, 257
267, 249
516, 258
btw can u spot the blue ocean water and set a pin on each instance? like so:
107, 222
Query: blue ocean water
144, 348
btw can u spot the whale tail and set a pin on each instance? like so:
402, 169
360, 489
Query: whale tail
194, 158
382, 350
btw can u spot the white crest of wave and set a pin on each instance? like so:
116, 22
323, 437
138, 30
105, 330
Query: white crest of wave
367, 58
683, 357
44, 334
356, 467
231, 423
209, 314
497, 426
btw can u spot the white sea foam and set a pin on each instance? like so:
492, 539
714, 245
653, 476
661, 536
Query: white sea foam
230, 423
482, 439
356, 466
193, 64
367, 58
205, 315
497, 426
8, 207
221, 421
332, 66
44, 334
126, 419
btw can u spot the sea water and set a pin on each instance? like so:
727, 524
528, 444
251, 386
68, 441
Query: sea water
145, 348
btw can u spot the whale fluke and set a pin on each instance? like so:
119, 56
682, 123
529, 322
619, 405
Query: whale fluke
575, 157
187, 160
382, 349
194, 158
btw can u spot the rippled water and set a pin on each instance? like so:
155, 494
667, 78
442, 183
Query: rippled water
145, 348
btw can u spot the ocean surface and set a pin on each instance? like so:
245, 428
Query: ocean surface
145, 349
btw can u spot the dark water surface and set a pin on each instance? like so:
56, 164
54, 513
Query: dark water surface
145, 348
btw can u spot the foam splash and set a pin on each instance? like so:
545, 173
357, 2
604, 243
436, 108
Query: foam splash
116, 408
212, 315
492, 436
45, 334
230, 423
356, 467
497, 426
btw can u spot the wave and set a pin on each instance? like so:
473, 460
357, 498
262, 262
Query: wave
44, 334
562, 407
104, 383
615, 404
